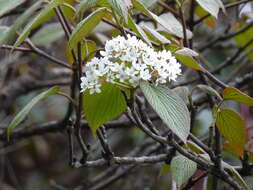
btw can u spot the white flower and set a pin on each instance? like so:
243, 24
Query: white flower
139, 66
128, 61
145, 75
96, 89
122, 76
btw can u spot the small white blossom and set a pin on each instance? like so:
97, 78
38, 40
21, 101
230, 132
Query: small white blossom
128, 61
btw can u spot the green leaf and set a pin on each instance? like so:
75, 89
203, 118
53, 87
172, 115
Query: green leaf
231, 149
19, 22
209, 21
182, 169
8, 5
235, 173
103, 3
85, 5
209, 90
88, 48
156, 35
69, 12
128, 4
71, 2
147, 3
138, 30
172, 25
48, 34
86, 26
25, 111
120, 7
187, 52
169, 20
194, 147
170, 107
231, 126
212, 6
45, 14
102, 107
189, 62
238, 96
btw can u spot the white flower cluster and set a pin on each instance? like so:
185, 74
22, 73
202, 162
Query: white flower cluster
127, 61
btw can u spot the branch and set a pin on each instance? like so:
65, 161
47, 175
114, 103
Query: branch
205, 165
186, 43
124, 160
136, 119
107, 153
57, 126
37, 51
164, 5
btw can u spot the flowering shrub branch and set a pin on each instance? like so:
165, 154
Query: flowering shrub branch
126, 62
113, 125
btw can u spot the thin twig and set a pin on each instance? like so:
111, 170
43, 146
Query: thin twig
186, 43
38, 51
203, 164
167, 7
79, 107
107, 153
